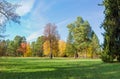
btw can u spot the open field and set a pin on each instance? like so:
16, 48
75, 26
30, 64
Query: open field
57, 68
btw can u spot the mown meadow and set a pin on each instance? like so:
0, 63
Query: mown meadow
57, 68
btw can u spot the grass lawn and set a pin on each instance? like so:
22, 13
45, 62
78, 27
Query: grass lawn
57, 68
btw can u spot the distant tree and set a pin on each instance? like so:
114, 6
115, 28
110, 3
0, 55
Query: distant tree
51, 35
19, 43
28, 52
16, 47
94, 46
10, 49
39, 46
55, 47
46, 48
62, 48
33, 49
3, 48
111, 25
21, 50
7, 13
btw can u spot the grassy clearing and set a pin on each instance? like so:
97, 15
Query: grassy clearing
57, 68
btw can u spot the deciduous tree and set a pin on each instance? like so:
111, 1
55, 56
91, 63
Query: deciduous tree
70, 48
62, 48
3, 48
94, 46
46, 48
28, 52
51, 35
39, 46
11, 51
7, 13
81, 33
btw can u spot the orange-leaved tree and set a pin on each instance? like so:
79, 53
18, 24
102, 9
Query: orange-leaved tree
22, 49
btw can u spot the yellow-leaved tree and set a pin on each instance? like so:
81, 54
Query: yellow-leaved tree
46, 48
62, 47
28, 52
51, 35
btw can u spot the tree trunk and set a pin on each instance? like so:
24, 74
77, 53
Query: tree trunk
92, 55
51, 56
76, 55
85, 53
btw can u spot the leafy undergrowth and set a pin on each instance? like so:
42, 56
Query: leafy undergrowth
57, 68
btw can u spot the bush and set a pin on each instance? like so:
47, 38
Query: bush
106, 58
118, 58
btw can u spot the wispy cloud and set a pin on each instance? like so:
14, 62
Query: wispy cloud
37, 19
63, 22
26, 6
34, 35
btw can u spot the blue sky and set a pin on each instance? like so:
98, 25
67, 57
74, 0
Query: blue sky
35, 14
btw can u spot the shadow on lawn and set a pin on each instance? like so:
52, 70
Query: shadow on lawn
97, 71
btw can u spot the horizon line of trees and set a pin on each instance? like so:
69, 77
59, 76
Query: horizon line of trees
81, 42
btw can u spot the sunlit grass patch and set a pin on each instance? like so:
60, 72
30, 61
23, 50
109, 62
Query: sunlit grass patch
57, 68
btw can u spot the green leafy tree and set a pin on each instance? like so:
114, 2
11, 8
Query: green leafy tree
94, 46
70, 49
81, 32
39, 46
111, 26
17, 43
33, 49
18, 40
10, 49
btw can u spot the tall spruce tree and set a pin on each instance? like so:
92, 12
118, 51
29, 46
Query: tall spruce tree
111, 25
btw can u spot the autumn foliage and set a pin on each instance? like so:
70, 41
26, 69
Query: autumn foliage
62, 47
28, 52
51, 36
46, 48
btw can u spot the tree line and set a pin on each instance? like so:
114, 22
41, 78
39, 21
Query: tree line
81, 41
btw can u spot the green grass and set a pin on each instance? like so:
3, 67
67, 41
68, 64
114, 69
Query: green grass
57, 68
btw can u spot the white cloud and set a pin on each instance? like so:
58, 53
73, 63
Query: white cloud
37, 18
26, 6
34, 35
